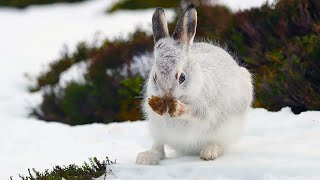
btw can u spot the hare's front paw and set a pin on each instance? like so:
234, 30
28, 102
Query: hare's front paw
176, 108
149, 158
211, 152
158, 105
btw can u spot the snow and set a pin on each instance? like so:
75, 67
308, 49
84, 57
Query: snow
75, 73
276, 145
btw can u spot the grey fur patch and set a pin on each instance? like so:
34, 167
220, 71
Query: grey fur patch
200, 113
167, 54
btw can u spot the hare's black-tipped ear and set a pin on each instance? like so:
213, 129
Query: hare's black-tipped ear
159, 25
186, 26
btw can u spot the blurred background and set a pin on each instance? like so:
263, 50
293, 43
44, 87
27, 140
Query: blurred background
106, 49
84, 61
278, 42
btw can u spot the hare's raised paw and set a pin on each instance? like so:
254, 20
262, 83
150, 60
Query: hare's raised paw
176, 108
157, 104
211, 152
149, 158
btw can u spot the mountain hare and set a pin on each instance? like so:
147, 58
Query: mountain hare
196, 97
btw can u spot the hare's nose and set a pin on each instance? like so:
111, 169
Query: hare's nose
168, 92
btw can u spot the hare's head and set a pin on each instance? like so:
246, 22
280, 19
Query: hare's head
173, 73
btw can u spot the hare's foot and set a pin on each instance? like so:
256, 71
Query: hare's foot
177, 108
151, 157
211, 152
148, 158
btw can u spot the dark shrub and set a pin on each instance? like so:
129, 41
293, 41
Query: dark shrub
109, 94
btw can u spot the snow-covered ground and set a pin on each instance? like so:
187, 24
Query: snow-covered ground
275, 146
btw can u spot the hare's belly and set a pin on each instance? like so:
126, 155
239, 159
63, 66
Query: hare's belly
185, 144
184, 137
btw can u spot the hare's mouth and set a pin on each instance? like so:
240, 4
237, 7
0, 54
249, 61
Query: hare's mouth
167, 97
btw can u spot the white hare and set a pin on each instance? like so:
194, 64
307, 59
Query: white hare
210, 91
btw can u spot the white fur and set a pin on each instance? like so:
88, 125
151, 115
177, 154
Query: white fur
217, 93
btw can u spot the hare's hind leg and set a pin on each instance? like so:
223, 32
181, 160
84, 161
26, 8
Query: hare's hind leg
211, 152
151, 157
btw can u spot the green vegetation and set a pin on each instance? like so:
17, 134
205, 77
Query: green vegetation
87, 171
25, 3
279, 44
104, 97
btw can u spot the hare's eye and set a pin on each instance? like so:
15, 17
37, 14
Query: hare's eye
155, 78
182, 78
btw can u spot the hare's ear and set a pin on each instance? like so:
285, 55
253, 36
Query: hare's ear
159, 25
186, 26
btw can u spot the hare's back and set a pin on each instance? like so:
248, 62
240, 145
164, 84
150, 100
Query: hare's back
212, 55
